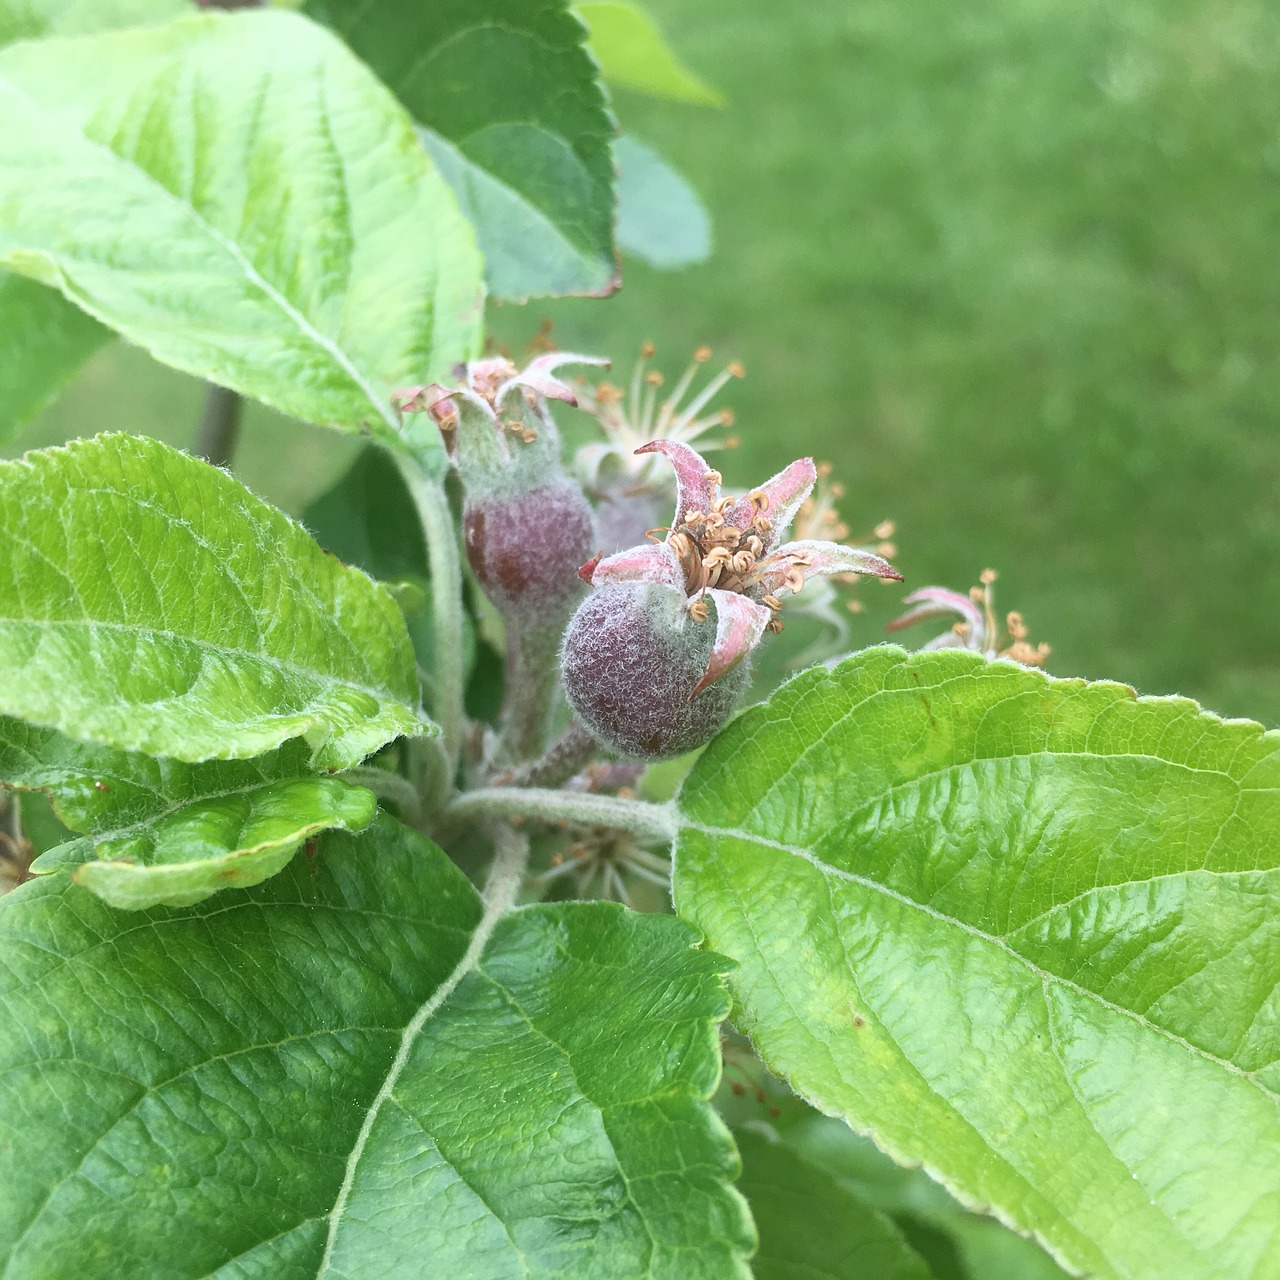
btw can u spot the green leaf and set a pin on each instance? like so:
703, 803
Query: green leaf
1023, 931
46, 340
208, 625
356, 1070
633, 55
274, 226
368, 520
515, 119
956, 1244
30, 19
231, 842
660, 218
812, 1228
166, 832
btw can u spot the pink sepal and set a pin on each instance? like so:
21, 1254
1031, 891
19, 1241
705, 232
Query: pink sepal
537, 375
939, 602
821, 559
740, 623
649, 562
696, 480
785, 493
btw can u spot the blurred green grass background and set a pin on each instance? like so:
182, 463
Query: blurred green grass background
1010, 267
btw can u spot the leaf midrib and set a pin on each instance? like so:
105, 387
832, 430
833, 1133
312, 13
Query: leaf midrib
1044, 975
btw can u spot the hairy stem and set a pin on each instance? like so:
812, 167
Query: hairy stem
387, 786
532, 673
654, 823
432, 504
219, 425
571, 752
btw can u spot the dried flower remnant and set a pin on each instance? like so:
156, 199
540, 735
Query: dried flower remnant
631, 493
603, 862
645, 664
976, 628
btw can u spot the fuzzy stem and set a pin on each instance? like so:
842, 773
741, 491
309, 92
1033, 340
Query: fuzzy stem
510, 861
571, 752
219, 425
443, 561
653, 823
387, 786
532, 674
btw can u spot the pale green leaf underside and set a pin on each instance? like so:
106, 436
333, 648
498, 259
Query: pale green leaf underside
812, 1228
175, 832
517, 122
189, 1091
239, 195
228, 843
1024, 931
149, 602
660, 218
32, 19
526, 254
633, 55
959, 1245
46, 340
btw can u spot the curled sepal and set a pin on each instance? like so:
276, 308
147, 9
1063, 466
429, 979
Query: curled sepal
792, 565
538, 377
649, 562
696, 482
938, 602
778, 500
740, 623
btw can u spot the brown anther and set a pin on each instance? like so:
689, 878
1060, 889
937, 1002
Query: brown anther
823, 469
794, 581
714, 521
977, 595
695, 517
772, 602
716, 556
743, 562
698, 610
731, 442
885, 529
702, 355
774, 626
854, 606
529, 435
531, 398
607, 393
735, 369
887, 549
987, 577
759, 500
754, 545
654, 379
713, 477
646, 350
840, 532
1016, 627
727, 417
763, 524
